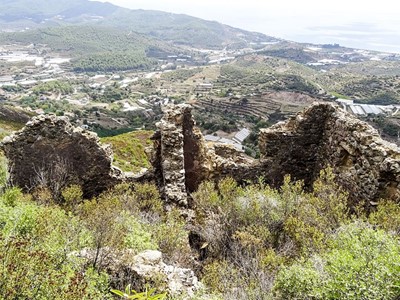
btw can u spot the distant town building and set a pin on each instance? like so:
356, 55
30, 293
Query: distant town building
366, 109
222, 140
204, 87
241, 135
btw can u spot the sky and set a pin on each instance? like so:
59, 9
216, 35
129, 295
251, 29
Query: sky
361, 24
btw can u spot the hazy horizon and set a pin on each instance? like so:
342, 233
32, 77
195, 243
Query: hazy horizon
374, 26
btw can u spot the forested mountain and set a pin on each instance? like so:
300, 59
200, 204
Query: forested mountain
176, 28
94, 48
42, 11
184, 30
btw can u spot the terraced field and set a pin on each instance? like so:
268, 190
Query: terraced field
260, 106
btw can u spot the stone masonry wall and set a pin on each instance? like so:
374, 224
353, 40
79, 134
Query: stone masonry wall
366, 166
182, 159
171, 160
50, 152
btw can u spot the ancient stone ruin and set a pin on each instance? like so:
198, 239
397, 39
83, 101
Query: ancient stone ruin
52, 153
325, 135
182, 159
322, 135
49, 150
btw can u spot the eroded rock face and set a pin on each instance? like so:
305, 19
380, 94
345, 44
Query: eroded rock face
366, 166
49, 151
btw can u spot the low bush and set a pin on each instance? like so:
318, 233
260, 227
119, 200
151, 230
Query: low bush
360, 263
35, 243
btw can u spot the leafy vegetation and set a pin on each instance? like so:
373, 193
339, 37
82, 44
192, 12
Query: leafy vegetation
132, 294
113, 61
79, 40
361, 263
57, 107
129, 150
181, 74
35, 242
289, 244
294, 54
269, 73
94, 48
253, 242
55, 86
40, 241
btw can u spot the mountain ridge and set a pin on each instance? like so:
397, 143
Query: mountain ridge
179, 29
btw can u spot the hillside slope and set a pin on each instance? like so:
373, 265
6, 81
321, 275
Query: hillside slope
176, 28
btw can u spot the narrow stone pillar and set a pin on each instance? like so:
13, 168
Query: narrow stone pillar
172, 154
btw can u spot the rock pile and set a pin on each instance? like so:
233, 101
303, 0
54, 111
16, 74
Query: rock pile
149, 265
144, 268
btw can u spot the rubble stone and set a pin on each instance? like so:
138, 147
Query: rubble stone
144, 268
182, 159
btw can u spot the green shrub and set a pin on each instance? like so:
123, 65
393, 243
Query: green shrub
300, 281
361, 263
386, 216
141, 200
317, 214
35, 246
138, 236
72, 196
29, 273
132, 294
100, 216
171, 236
3, 172
255, 230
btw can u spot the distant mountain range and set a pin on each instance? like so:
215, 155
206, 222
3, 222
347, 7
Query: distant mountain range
176, 28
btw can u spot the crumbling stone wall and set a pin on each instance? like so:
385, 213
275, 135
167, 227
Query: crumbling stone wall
367, 166
50, 152
169, 161
293, 147
182, 159
197, 164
